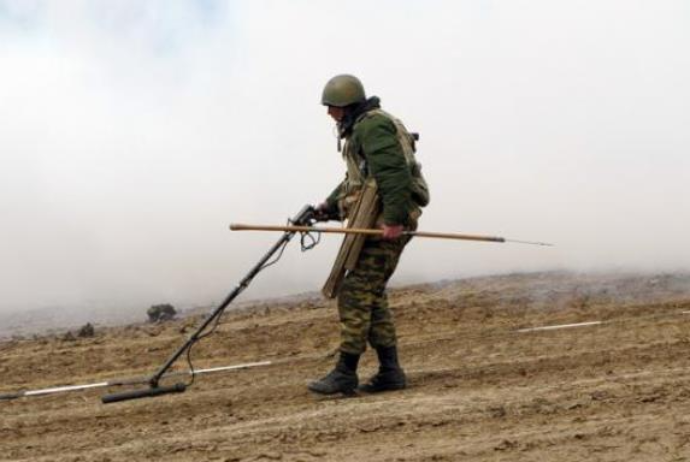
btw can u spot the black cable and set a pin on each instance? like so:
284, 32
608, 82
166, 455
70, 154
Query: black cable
275, 260
200, 337
189, 362
308, 241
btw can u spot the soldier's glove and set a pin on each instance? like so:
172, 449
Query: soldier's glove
391, 232
324, 212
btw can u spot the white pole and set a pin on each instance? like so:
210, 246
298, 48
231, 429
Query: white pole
561, 326
115, 382
50, 391
230, 368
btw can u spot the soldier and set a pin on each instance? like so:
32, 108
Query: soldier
379, 153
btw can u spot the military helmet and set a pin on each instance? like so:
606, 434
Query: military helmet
343, 90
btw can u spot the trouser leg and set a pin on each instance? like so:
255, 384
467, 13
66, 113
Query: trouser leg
362, 302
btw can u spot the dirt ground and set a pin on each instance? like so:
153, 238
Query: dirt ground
481, 389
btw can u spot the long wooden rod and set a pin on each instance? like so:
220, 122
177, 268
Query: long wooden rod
376, 232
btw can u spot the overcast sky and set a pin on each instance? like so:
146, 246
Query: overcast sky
132, 133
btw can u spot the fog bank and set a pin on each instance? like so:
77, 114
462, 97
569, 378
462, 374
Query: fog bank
133, 132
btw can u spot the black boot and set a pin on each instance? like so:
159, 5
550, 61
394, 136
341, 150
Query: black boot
342, 379
390, 375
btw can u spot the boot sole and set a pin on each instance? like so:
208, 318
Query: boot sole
347, 393
371, 390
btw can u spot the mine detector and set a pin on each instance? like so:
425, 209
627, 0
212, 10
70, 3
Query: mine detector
302, 223
304, 218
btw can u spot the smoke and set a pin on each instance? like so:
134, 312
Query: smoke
132, 133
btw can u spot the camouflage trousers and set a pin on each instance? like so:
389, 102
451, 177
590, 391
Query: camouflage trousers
362, 300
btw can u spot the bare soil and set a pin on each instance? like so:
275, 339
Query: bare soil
480, 388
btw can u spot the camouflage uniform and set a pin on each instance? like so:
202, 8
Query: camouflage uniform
377, 145
362, 302
381, 172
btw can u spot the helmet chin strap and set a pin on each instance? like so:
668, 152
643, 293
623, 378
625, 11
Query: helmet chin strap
345, 124
336, 130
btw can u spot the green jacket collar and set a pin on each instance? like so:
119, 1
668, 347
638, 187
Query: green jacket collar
355, 113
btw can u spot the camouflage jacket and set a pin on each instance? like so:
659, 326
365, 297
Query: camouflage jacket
378, 146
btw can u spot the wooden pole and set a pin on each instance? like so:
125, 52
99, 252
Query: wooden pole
376, 232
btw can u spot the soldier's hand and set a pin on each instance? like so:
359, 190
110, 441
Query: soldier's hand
321, 212
391, 232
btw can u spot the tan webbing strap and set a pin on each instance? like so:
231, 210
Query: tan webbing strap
363, 215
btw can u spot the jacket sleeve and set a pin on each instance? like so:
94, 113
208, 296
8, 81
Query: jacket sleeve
386, 162
332, 202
